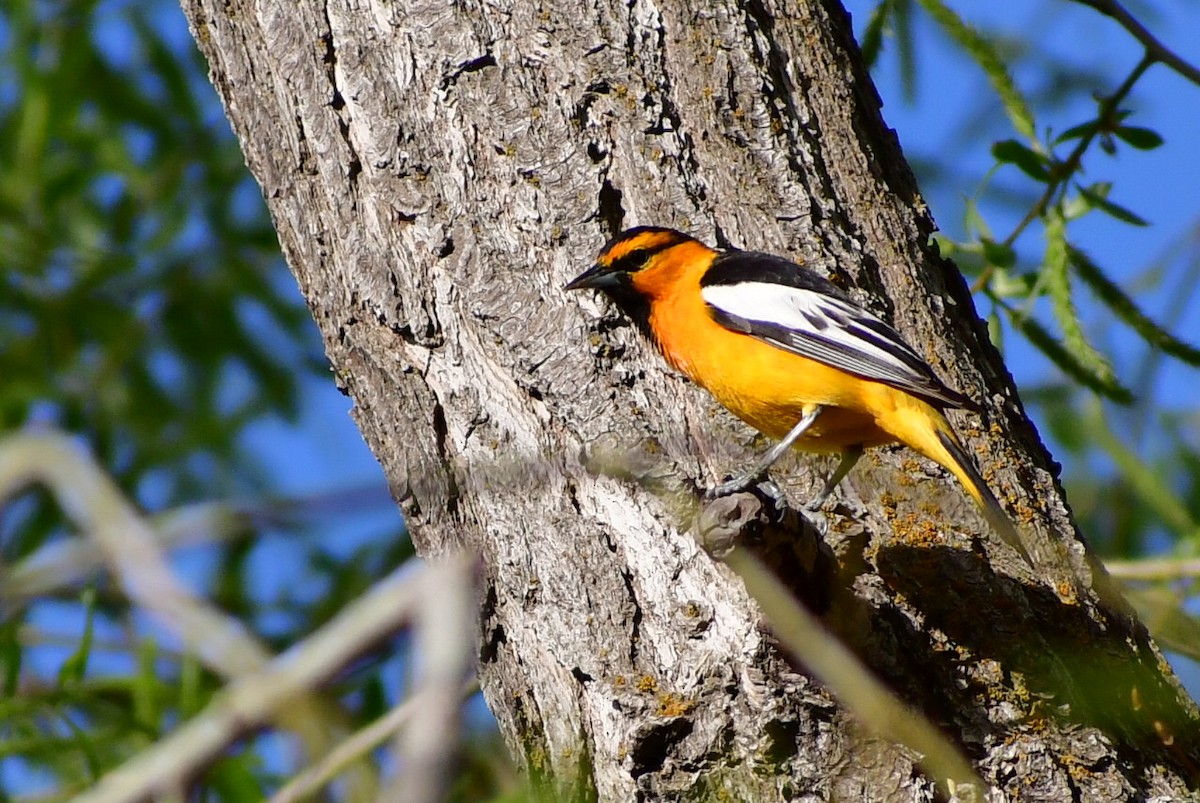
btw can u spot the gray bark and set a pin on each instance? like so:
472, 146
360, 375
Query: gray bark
437, 171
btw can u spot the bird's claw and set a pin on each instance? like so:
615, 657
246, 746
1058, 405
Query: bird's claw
762, 486
730, 487
817, 518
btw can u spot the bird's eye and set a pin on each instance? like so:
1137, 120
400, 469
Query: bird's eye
633, 261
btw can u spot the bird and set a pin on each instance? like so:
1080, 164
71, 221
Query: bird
789, 353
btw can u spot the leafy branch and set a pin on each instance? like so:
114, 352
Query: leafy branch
1059, 174
1062, 200
262, 688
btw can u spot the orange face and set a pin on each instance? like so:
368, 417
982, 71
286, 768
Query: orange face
624, 248
626, 255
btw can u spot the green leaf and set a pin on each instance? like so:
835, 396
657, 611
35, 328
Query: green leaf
1006, 284
999, 254
32, 133
84, 741
1088, 365
74, 668
1143, 139
1053, 348
1144, 480
906, 48
984, 52
1128, 311
1096, 196
946, 247
191, 681
968, 257
1075, 207
995, 330
973, 221
145, 684
872, 35
1080, 131
1032, 163
10, 656
234, 778
1163, 611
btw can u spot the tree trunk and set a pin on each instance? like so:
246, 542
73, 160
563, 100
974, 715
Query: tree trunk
437, 171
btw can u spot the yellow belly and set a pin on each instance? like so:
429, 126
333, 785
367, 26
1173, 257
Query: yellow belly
771, 389
787, 389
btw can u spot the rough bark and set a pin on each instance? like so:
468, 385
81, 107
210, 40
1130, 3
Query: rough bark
437, 171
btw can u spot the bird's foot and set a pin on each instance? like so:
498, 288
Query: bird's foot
732, 486
818, 519
759, 484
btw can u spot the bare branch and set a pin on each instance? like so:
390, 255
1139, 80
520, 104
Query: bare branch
443, 650
354, 748
1154, 569
130, 546
1154, 48
251, 701
62, 563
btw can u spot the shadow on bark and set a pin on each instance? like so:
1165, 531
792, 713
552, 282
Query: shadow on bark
986, 656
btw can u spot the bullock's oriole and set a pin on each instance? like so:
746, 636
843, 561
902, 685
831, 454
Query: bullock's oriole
789, 353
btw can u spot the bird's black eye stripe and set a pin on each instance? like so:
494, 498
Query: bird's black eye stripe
634, 260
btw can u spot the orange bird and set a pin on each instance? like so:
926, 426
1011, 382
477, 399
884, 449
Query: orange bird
789, 353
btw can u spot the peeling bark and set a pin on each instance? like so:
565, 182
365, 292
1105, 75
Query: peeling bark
437, 171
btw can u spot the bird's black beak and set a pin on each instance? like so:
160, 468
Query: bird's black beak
597, 276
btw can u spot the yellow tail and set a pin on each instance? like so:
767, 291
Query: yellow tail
928, 431
964, 469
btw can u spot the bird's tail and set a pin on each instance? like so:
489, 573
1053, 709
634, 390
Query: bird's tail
964, 468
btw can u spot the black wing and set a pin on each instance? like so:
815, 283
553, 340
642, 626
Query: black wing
795, 309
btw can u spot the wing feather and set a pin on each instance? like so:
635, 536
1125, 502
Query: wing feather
801, 312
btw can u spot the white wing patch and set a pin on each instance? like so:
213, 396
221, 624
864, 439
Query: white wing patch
827, 329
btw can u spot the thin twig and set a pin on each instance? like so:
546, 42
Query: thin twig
1155, 51
1162, 569
444, 626
352, 749
33, 636
62, 563
1154, 47
252, 700
1068, 167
